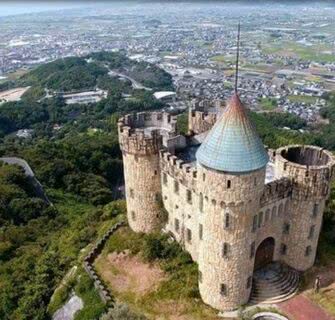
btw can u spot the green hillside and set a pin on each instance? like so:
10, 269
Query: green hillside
79, 74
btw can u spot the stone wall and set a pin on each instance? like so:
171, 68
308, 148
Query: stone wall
88, 265
222, 218
200, 121
224, 254
140, 149
311, 170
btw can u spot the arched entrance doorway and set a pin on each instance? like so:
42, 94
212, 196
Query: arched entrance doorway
264, 253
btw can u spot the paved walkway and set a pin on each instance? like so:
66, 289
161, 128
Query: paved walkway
301, 308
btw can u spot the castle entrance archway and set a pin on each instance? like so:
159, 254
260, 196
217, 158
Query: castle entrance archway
264, 253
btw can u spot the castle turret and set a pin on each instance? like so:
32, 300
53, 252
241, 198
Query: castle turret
141, 136
231, 167
310, 169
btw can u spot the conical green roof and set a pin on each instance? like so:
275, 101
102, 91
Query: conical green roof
233, 144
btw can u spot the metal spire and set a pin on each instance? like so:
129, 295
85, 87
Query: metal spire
237, 55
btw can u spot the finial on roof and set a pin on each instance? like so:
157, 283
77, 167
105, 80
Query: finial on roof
237, 55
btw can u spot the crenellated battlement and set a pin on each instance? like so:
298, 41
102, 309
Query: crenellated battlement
178, 169
310, 168
203, 115
161, 120
276, 190
144, 133
200, 121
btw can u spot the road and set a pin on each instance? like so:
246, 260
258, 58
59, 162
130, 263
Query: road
29, 173
135, 84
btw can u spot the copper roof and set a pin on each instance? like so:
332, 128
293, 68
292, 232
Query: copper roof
233, 144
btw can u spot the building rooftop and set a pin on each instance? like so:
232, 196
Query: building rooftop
233, 144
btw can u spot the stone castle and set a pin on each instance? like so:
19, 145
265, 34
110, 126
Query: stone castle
232, 204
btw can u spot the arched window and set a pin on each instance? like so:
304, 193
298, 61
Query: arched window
228, 184
280, 210
260, 219
274, 211
267, 215
287, 208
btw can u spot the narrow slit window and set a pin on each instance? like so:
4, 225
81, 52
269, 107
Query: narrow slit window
311, 232
315, 210
308, 251
283, 249
176, 187
200, 231
176, 225
228, 184
227, 221
225, 250
286, 228
201, 202
189, 196
223, 289
165, 179
189, 235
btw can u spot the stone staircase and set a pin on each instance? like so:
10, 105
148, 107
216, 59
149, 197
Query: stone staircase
273, 284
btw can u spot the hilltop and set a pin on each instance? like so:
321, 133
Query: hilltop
120, 85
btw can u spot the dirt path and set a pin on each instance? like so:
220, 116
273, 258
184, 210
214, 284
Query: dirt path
129, 273
133, 280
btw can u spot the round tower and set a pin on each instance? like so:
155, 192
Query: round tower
231, 167
310, 169
140, 141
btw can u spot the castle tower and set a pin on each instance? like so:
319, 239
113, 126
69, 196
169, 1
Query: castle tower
231, 166
140, 142
310, 169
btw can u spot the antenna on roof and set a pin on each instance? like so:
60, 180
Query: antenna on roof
237, 55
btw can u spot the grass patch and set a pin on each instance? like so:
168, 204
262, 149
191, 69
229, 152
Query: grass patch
177, 293
302, 99
62, 293
268, 104
325, 298
289, 48
93, 306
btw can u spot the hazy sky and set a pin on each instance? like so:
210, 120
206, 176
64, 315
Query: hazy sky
19, 7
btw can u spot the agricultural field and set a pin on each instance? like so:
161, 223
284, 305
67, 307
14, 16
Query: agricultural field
319, 53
